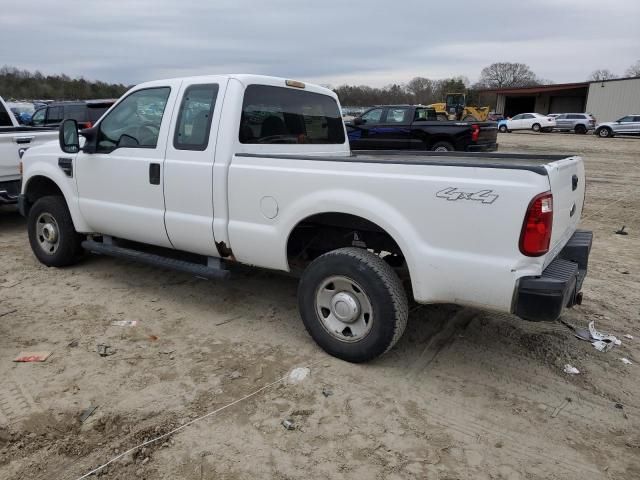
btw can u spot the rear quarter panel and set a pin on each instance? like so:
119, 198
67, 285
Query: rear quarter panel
458, 250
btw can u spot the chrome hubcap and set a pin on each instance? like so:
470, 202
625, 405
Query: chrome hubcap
344, 309
47, 233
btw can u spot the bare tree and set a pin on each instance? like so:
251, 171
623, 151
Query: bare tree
633, 70
506, 74
601, 74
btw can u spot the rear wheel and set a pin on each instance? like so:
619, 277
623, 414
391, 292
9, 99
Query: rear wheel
353, 304
605, 132
53, 239
580, 129
442, 147
535, 127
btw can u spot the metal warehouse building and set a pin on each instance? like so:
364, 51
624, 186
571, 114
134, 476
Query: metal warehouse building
607, 100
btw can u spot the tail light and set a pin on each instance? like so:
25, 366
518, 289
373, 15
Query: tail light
475, 132
536, 230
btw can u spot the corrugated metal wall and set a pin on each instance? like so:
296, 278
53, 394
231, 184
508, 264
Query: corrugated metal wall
608, 101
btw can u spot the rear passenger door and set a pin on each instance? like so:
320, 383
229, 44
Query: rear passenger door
188, 166
563, 122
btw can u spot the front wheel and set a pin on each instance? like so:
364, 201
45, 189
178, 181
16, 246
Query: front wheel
503, 129
605, 132
535, 127
52, 236
353, 304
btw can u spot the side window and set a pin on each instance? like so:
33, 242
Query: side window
5, 119
373, 116
38, 117
626, 119
135, 121
561, 117
396, 115
517, 117
76, 112
194, 118
54, 114
575, 117
636, 119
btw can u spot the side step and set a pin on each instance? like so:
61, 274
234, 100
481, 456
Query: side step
207, 271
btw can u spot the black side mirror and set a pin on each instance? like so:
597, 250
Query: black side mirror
68, 136
358, 121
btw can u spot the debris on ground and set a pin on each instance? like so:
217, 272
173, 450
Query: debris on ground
603, 342
297, 375
32, 357
621, 231
630, 337
87, 413
619, 405
8, 312
626, 361
153, 338
289, 424
73, 343
105, 350
571, 370
566, 402
124, 323
327, 392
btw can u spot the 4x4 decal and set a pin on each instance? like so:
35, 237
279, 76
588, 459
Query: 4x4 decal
453, 194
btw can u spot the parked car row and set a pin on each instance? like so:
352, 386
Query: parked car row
579, 123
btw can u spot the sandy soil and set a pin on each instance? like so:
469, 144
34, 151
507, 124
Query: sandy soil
465, 394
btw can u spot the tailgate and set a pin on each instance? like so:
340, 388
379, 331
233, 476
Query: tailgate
567, 181
488, 132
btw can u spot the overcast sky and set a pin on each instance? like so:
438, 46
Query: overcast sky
330, 42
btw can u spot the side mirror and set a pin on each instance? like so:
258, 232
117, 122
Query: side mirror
358, 121
68, 136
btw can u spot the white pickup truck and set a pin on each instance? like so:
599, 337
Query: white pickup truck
14, 141
198, 173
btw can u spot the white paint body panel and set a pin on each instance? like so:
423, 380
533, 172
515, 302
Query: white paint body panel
463, 251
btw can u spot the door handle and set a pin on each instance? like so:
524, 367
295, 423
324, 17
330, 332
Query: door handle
154, 173
23, 140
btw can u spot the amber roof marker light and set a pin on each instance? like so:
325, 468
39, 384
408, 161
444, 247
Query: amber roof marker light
294, 83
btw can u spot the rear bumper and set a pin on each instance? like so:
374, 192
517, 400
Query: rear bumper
9, 192
482, 147
544, 297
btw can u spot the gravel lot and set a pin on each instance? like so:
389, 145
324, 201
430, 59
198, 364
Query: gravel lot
465, 394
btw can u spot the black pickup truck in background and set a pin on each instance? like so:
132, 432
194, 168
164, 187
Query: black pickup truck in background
411, 127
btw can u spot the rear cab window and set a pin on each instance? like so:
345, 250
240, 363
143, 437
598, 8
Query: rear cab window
279, 115
194, 117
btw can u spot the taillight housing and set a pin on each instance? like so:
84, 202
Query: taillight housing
475, 132
536, 229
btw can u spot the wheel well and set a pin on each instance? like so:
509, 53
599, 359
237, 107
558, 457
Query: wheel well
39, 187
432, 140
321, 233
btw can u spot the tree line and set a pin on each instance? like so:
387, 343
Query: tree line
23, 84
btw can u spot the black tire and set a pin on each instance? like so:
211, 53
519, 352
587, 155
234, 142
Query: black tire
535, 127
503, 129
67, 249
442, 147
604, 132
580, 129
382, 289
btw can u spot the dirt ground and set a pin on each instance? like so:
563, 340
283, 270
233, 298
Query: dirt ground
464, 395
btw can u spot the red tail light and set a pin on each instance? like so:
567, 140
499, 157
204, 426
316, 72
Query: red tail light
475, 132
536, 230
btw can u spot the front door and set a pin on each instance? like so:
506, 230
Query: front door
365, 135
120, 188
394, 132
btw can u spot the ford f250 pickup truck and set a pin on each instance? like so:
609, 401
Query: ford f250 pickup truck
409, 127
14, 141
197, 173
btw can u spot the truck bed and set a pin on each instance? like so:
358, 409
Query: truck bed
514, 161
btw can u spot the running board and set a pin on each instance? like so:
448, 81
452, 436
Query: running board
214, 270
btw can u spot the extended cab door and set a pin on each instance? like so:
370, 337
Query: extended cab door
120, 190
188, 171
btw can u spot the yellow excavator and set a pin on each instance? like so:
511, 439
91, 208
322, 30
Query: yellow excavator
456, 108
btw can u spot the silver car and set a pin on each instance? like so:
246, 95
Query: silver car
628, 125
575, 122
